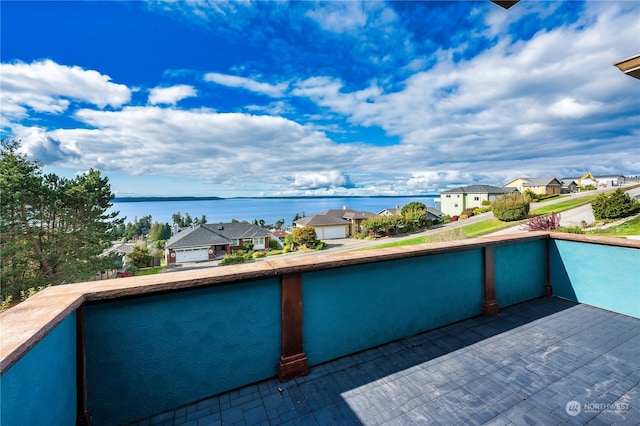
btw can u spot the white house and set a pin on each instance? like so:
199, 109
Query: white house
454, 201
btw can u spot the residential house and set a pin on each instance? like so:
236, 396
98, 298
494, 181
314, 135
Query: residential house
568, 186
454, 201
332, 224
433, 214
208, 241
279, 235
394, 211
539, 186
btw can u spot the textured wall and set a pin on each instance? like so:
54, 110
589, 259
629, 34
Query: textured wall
520, 271
40, 389
349, 309
604, 276
146, 355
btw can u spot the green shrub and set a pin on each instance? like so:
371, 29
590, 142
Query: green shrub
588, 188
257, 255
510, 207
232, 259
31, 291
532, 195
613, 205
274, 244
275, 252
463, 216
305, 236
5, 303
571, 229
320, 245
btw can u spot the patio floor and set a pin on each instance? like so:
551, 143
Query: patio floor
546, 361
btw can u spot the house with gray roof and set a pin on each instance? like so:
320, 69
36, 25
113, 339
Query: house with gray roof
454, 201
332, 224
540, 186
433, 214
209, 241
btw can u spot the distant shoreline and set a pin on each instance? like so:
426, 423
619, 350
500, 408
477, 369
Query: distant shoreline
156, 199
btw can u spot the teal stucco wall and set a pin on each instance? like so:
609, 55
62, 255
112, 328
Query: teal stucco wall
520, 271
350, 309
40, 389
604, 276
146, 355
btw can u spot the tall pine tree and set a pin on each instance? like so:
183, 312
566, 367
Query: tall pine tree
53, 229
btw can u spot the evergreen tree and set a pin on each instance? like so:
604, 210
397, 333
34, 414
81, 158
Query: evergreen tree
53, 229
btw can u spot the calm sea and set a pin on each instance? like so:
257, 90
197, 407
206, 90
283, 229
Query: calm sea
269, 209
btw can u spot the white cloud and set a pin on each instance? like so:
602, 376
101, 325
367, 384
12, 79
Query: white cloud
339, 16
274, 91
46, 86
223, 149
311, 180
171, 95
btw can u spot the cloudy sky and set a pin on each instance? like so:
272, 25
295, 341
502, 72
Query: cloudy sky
216, 98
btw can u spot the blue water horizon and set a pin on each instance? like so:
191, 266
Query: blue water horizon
269, 209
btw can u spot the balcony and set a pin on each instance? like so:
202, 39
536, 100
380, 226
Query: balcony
460, 332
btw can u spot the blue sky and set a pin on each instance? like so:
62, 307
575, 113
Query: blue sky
320, 98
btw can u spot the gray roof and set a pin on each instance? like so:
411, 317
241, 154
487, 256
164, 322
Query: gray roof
540, 181
321, 219
392, 210
435, 212
238, 230
197, 236
333, 217
215, 234
358, 215
477, 189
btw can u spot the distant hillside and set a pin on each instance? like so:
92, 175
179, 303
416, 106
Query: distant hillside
147, 199
143, 199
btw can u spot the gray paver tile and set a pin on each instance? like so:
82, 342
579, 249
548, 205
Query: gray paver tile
520, 367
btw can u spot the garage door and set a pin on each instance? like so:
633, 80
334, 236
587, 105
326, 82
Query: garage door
194, 255
330, 232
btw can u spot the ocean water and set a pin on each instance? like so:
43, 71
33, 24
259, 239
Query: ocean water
269, 209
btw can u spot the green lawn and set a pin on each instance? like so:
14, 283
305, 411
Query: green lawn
562, 206
149, 271
488, 226
630, 227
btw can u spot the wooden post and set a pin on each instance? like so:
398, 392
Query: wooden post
293, 360
83, 417
490, 304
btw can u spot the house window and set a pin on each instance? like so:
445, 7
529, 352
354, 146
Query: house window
234, 242
476, 198
448, 196
455, 205
458, 195
258, 241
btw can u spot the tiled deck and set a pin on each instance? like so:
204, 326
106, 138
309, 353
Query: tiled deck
521, 367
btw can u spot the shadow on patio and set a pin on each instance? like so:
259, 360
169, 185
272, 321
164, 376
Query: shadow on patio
523, 366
